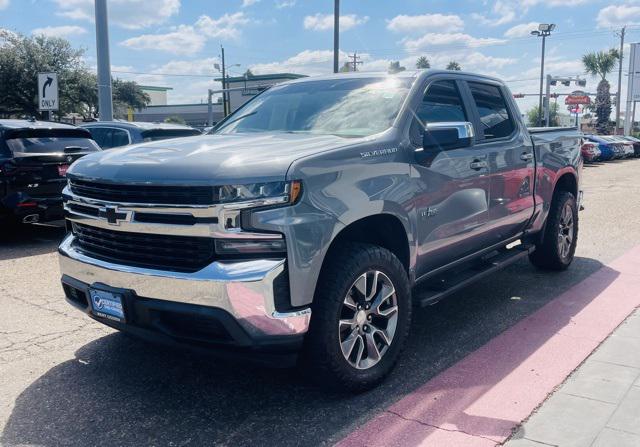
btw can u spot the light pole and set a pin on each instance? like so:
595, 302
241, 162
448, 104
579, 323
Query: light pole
105, 104
544, 30
336, 35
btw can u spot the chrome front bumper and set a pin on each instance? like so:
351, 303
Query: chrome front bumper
244, 289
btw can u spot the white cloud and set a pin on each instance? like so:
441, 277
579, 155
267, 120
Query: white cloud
522, 30
309, 62
4, 4
184, 40
246, 3
503, 12
448, 39
227, 26
285, 4
190, 39
323, 22
131, 14
59, 31
618, 15
420, 23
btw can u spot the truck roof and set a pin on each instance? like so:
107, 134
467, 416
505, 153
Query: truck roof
384, 74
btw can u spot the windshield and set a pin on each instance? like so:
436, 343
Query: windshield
346, 107
42, 141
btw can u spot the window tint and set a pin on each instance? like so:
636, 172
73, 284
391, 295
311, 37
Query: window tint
494, 114
41, 141
100, 136
119, 137
442, 102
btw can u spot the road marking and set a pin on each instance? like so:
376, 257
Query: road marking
482, 398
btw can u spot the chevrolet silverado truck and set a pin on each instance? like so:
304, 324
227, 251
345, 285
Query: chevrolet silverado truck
313, 218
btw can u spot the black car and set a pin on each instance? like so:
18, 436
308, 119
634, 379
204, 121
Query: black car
34, 158
112, 134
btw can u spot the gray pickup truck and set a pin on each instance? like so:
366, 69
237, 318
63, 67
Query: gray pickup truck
305, 227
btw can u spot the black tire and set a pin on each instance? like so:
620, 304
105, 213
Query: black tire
549, 253
322, 357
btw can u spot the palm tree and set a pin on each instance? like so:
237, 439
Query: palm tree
602, 63
423, 63
453, 65
395, 67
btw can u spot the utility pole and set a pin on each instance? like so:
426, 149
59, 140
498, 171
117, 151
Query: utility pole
544, 30
224, 79
619, 97
336, 35
356, 61
104, 65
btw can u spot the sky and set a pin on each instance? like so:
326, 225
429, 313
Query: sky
175, 43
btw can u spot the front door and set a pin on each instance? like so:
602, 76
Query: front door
452, 186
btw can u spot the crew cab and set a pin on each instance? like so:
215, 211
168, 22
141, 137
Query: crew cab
34, 158
313, 218
110, 134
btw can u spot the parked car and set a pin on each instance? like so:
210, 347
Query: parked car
636, 144
590, 151
315, 214
34, 158
627, 146
608, 150
110, 134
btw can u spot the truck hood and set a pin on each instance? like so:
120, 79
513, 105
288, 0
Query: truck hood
209, 159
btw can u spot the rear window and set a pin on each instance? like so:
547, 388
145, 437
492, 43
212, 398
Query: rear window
46, 141
163, 134
492, 107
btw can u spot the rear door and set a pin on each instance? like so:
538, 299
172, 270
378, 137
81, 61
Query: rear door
508, 146
452, 194
41, 157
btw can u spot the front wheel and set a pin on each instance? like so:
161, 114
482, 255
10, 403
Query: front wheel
361, 316
558, 246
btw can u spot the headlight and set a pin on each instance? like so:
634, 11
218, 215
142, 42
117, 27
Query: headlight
272, 193
244, 246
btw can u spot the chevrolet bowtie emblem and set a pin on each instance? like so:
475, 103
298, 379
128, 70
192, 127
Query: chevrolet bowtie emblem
112, 215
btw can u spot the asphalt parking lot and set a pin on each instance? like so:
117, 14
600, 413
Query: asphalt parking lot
66, 380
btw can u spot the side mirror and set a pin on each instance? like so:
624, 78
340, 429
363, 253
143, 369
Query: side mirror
447, 135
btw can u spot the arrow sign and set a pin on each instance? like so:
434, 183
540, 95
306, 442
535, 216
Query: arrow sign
47, 91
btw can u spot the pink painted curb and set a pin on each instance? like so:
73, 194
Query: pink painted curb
480, 399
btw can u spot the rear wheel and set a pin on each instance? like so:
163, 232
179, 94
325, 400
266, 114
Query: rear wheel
558, 247
361, 316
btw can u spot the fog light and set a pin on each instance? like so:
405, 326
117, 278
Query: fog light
253, 246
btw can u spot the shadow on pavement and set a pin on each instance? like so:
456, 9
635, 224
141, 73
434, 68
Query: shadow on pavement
119, 391
18, 241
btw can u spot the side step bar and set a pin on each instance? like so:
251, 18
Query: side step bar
434, 289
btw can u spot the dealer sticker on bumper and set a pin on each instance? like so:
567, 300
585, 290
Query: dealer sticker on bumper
107, 305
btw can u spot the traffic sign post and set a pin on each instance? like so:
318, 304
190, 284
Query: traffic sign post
48, 92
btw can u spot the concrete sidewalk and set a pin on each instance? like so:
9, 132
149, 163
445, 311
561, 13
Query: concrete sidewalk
599, 404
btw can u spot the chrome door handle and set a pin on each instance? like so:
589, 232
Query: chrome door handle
526, 156
478, 164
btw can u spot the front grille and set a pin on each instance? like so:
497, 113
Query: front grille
156, 194
164, 252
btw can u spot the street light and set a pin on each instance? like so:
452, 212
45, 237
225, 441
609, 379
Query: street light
544, 30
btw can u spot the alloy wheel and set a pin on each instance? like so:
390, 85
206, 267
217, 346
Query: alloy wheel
565, 231
368, 320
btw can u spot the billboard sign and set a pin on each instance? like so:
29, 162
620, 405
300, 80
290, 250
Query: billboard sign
576, 98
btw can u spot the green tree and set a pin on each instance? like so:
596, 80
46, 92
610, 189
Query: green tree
22, 58
175, 119
248, 74
128, 94
600, 64
346, 67
554, 115
453, 65
395, 67
423, 63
